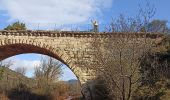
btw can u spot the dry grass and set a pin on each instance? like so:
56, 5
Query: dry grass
3, 97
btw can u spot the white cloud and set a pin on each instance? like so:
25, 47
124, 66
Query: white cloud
53, 11
31, 64
28, 64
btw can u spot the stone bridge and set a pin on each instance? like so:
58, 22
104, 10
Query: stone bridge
68, 47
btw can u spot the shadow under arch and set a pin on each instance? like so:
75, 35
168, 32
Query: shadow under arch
10, 50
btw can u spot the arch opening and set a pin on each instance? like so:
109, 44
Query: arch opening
12, 50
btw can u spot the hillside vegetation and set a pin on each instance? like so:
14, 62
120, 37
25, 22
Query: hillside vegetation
16, 86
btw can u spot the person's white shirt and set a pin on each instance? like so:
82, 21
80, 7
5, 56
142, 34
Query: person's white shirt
95, 23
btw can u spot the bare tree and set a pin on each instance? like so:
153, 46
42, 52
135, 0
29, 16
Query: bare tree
139, 23
6, 63
21, 70
118, 62
48, 71
118, 59
49, 68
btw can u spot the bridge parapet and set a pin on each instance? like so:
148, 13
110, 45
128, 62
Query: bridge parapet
80, 34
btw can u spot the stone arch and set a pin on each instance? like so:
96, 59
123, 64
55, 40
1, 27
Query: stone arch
12, 47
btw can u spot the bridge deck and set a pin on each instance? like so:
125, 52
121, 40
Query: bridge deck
79, 34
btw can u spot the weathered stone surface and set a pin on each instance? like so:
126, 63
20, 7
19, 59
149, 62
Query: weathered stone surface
71, 48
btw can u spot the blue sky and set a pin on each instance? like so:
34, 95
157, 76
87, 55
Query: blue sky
47, 14
77, 12
31, 60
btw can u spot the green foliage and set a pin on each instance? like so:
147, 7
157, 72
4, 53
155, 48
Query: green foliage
155, 92
16, 26
155, 67
137, 24
16, 85
10, 79
158, 26
166, 43
98, 90
22, 92
155, 83
1, 73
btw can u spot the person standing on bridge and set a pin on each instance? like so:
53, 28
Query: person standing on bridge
95, 26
